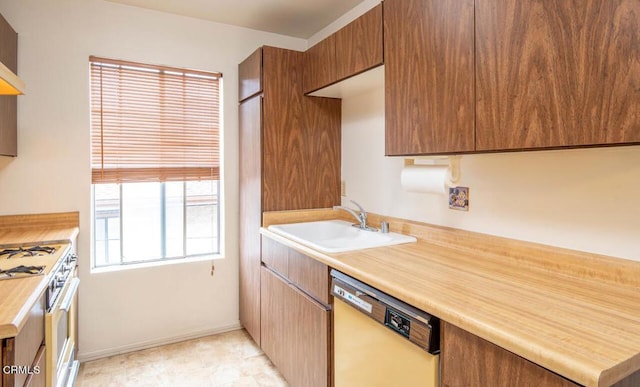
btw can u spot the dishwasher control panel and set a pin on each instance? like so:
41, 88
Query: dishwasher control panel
398, 322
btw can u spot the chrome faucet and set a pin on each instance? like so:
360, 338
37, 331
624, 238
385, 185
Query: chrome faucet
361, 217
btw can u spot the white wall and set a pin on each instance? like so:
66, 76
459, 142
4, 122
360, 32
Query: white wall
138, 307
583, 199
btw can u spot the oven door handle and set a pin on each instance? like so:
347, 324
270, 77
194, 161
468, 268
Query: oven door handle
71, 293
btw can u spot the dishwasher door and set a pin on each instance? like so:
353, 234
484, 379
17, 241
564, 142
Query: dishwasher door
372, 344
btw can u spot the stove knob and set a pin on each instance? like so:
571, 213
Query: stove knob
60, 280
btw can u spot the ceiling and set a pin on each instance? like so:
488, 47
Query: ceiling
297, 18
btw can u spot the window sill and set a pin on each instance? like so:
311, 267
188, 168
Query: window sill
147, 265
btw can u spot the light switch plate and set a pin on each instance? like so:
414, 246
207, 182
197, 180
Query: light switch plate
459, 198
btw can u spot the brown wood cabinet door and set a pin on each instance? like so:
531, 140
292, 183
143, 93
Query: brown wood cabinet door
283, 146
319, 182
301, 141
429, 79
295, 332
38, 379
277, 334
250, 123
320, 65
468, 360
310, 350
250, 75
8, 103
359, 44
557, 73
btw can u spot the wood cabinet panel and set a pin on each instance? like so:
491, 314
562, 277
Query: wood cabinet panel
468, 360
283, 143
250, 75
310, 351
8, 103
277, 334
302, 271
429, 76
557, 73
289, 160
309, 275
250, 124
359, 44
38, 379
295, 332
275, 256
320, 168
23, 350
301, 143
320, 64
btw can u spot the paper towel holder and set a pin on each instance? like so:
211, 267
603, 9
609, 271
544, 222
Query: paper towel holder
454, 174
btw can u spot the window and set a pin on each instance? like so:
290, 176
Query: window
155, 135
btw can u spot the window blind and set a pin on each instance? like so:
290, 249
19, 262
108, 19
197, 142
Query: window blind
153, 123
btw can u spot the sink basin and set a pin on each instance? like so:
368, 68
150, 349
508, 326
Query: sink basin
336, 236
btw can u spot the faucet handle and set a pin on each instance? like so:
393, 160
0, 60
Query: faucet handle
362, 211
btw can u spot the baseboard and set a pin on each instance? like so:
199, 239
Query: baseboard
88, 356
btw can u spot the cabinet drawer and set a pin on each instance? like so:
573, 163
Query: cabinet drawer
275, 256
309, 275
302, 271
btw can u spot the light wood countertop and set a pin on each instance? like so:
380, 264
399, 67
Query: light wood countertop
575, 313
17, 296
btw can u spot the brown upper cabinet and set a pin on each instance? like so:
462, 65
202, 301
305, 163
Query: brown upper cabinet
8, 103
359, 44
557, 73
429, 85
355, 48
319, 65
250, 76
517, 75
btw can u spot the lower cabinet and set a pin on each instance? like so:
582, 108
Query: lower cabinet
295, 325
23, 356
468, 360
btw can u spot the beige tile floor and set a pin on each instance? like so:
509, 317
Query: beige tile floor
227, 359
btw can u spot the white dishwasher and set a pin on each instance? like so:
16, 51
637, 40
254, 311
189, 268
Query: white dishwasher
380, 340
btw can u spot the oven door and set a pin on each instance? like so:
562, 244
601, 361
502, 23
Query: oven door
60, 326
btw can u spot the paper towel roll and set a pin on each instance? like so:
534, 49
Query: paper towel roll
424, 178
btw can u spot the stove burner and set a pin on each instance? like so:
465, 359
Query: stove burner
22, 269
28, 252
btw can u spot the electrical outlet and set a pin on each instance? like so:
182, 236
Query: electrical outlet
459, 198
343, 188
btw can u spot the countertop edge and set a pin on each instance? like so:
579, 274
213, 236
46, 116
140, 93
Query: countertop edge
13, 328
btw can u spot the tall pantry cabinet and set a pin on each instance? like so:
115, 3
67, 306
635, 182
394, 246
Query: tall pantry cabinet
289, 157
